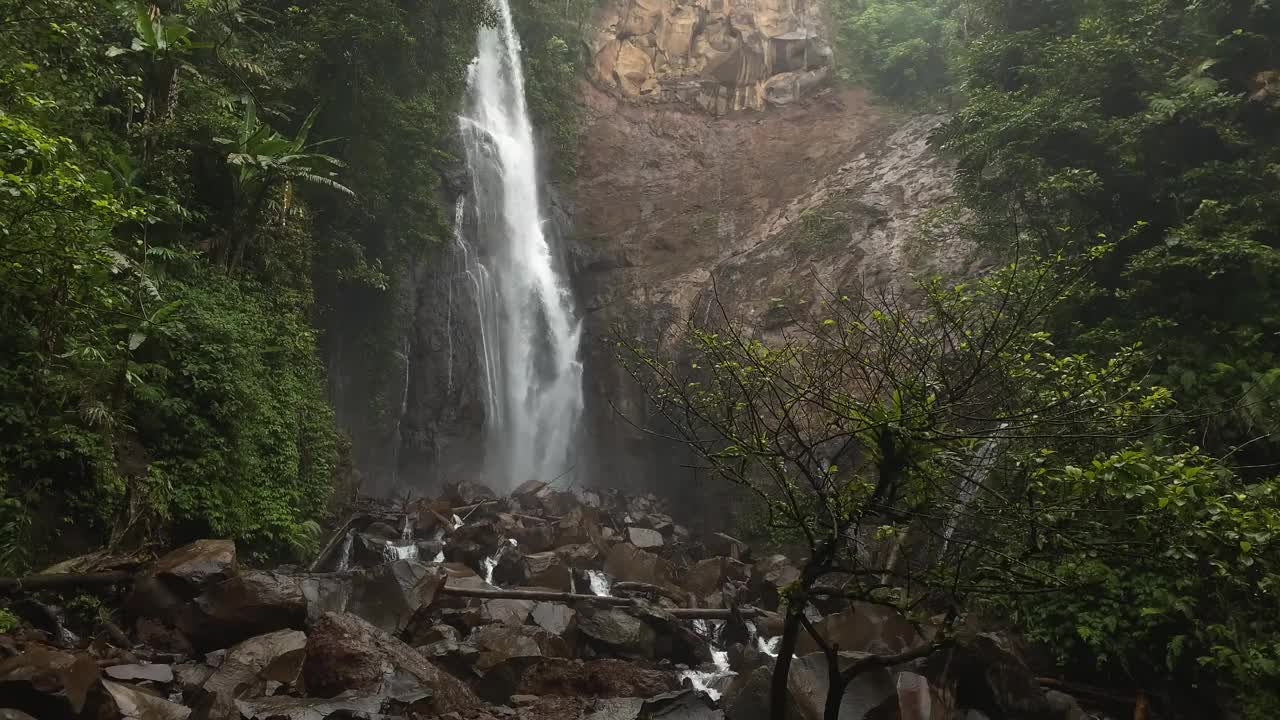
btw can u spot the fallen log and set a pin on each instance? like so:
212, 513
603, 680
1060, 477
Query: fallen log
564, 597
333, 544
61, 581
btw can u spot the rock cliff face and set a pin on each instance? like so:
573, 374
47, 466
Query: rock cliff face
723, 55
683, 198
712, 157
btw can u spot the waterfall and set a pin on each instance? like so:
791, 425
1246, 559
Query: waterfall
599, 583
529, 329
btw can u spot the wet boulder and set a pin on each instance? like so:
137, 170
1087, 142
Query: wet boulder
772, 574
629, 563
468, 493
247, 605
46, 682
131, 703
249, 668
291, 708
582, 556
601, 677
808, 683
507, 611
158, 672
510, 569
644, 538
680, 705
389, 596
500, 643
640, 633
706, 576
556, 618
457, 656
196, 566
547, 569
989, 672
615, 709
162, 595
721, 544
346, 653
864, 627
536, 537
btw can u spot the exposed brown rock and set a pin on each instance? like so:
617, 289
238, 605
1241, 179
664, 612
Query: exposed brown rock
347, 653
47, 683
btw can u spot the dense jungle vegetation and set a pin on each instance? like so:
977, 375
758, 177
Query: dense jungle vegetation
1133, 146
189, 191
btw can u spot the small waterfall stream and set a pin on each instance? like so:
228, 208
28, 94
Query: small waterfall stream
528, 328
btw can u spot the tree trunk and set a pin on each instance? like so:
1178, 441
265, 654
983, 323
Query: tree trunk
59, 581
778, 694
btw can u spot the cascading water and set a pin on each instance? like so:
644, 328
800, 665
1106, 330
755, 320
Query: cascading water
599, 583
529, 332
707, 680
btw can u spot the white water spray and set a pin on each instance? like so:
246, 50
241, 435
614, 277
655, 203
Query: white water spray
529, 332
599, 583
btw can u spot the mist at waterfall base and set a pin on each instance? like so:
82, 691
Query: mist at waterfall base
527, 327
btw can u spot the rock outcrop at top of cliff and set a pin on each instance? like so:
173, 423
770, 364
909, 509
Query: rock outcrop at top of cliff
723, 55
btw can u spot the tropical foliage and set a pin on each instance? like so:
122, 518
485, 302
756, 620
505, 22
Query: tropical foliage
177, 180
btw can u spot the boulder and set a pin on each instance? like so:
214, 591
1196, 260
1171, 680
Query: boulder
706, 576
808, 685
456, 656
619, 632
747, 697
1063, 706
163, 593
346, 653
989, 667
535, 538
771, 574
615, 709
527, 492
603, 677
555, 618
578, 525
426, 634
511, 569
721, 544
629, 563
680, 705
917, 700
468, 493
196, 566
248, 605
291, 708
509, 611
499, 643
641, 632
134, 704
864, 627
244, 671
47, 683
158, 672
388, 596
581, 556
644, 537
547, 569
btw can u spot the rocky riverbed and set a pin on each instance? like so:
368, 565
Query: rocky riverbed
545, 605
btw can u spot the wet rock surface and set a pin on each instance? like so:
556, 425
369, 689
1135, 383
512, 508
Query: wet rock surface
391, 638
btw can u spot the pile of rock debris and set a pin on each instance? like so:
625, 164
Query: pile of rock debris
545, 605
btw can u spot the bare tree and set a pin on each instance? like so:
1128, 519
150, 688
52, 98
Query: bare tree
892, 438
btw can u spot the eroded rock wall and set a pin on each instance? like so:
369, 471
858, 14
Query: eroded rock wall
723, 55
683, 205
